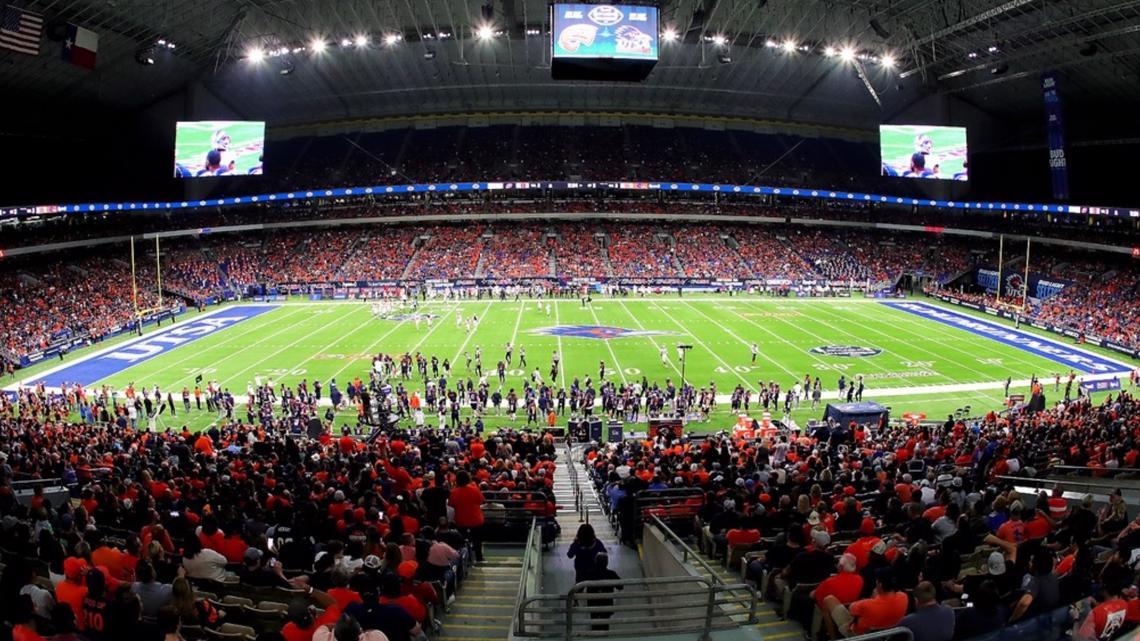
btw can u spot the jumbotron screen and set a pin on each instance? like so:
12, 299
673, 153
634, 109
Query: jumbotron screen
922, 151
208, 148
604, 31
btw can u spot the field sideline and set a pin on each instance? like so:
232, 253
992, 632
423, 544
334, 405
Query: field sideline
912, 363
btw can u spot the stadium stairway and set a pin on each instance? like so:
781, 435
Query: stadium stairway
768, 622
485, 605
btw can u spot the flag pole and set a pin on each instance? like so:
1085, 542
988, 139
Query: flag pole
158, 269
134, 283
1025, 284
1001, 250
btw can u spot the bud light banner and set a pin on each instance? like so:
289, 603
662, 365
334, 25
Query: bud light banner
1055, 132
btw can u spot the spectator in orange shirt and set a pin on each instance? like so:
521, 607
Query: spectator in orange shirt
468, 503
845, 586
72, 590
1013, 530
883, 610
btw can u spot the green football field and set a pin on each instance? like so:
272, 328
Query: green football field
911, 364
194, 139
897, 144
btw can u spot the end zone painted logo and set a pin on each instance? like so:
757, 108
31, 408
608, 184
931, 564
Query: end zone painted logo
846, 351
600, 332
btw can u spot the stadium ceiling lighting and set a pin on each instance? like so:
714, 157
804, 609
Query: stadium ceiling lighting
485, 33
993, 49
847, 54
670, 35
888, 61
318, 45
345, 42
391, 39
789, 46
972, 55
771, 44
255, 54
361, 40
719, 40
829, 51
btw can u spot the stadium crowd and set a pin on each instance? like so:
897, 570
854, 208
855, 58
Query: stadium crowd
248, 523
873, 527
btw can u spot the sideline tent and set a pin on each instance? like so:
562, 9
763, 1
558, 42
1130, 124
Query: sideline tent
864, 413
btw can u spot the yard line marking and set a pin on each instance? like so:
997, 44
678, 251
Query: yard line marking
710, 351
374, 343
470, 334
613, 354
922, 339
870, 362
292, 345
651, 339
198, 354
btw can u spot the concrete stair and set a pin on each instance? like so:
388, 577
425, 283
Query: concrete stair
768, 622
485, 606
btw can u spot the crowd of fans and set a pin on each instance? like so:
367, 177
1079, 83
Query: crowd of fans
62, 301
176, 535
639, 252
381, 255
703, 254
873, 527
577, 253
517, 252
451, 252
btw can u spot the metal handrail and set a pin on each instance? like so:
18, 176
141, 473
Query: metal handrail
530, 554
889, 633
687, 551
1096, 470
1051, 482
579, 501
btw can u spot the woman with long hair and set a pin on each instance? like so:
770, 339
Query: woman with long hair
585, 548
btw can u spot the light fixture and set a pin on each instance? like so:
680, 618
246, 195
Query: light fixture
847, 54
161, 42
670, 35
888, 61
789, 46
829, 51
993, 49
723, 58
145, 56
345, 42
391, 39
429, 54
719, 40
255, 54
485, 32
361, 40
318, 45
972, 55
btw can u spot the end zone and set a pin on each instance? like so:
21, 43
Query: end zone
1067, 355
116, 358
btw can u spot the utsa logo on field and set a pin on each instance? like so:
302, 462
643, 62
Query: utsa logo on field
600, 332
410, 317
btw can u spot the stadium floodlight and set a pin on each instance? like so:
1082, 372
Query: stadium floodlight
391, 39
993, 49
360, 40
888, 61
345, 42
829, 51
771, 44
847, 54
670, 35
789, 46
719, 40
318, 45
485, 32
255, 54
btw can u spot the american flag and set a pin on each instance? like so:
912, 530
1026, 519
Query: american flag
20, 30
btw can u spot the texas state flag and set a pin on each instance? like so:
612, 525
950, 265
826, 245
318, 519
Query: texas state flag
80, 46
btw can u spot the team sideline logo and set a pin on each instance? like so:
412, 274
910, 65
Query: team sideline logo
848, 351
600, 332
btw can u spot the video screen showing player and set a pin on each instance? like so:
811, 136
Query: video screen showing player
921, 151
211, 148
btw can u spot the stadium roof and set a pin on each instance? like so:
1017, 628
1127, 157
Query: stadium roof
426, 56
